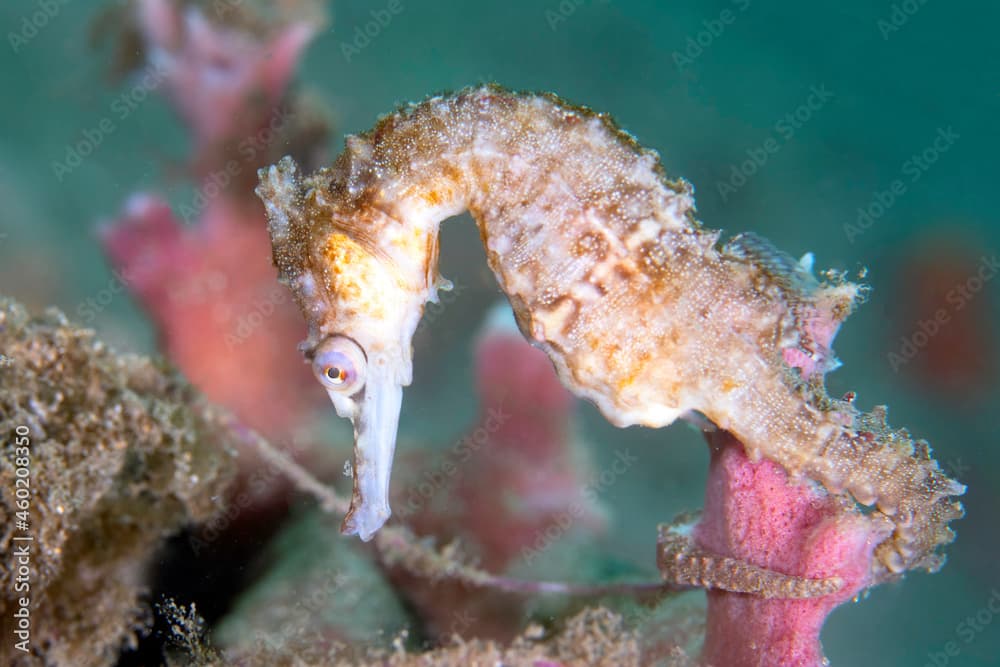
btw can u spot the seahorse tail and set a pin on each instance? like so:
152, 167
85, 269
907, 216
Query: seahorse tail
887, 469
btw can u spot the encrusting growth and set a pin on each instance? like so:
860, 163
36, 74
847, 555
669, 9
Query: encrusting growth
641, 310
121, 452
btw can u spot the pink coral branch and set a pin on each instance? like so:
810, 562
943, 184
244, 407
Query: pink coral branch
215, 75
209, 286
776, 553
756, 513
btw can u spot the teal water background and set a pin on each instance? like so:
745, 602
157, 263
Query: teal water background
879, 87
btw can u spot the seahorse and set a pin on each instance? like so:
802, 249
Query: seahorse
641, 309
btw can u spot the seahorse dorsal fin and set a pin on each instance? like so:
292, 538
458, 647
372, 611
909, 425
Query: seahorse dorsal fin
793, 275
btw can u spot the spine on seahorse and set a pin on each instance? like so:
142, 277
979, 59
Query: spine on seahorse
608, 271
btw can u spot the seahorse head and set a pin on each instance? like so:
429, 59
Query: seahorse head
362, 301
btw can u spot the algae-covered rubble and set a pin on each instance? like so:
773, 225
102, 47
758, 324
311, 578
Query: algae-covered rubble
117, 459
595, 637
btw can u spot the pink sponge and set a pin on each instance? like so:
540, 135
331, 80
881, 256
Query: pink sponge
754, 512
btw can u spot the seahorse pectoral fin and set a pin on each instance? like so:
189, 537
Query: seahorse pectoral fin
375, 423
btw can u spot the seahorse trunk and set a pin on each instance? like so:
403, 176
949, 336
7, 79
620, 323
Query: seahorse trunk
609, 272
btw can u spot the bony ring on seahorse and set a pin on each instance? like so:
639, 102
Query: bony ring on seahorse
608, 271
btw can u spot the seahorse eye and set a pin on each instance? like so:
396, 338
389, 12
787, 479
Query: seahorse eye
339, 364
336, 375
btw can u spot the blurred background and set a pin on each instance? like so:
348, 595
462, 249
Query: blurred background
862, 132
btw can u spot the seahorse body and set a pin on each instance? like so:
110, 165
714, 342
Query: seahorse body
610, 273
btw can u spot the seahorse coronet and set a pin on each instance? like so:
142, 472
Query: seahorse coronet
609, 271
